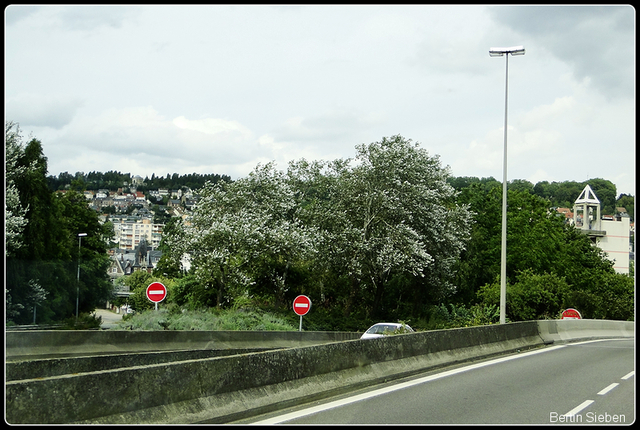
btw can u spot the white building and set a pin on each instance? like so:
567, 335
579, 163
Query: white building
129, 232
611, 235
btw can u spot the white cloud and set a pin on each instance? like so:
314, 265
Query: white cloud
42, 110
221, 88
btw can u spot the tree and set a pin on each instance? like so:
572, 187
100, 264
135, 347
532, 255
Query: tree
393, 213
15, 219
626, 201
544, 254
533, 296
46, 263
243, 232
606, 192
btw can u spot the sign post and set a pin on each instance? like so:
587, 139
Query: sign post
571, 314
156, 292
301, 306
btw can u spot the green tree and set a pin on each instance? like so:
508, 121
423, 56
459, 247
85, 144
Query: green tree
48, 258
90, 251
628, 202
138, 282
532, 296
606, 192
393, 214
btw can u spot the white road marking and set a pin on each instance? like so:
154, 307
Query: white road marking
578, 408
380, 391
628, 375
607, 389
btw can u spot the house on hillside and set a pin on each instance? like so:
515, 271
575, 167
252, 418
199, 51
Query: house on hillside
125, 262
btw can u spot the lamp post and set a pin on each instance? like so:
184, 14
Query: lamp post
499, 52
80, 236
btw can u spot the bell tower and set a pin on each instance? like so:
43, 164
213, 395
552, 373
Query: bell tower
610, 234
586, 211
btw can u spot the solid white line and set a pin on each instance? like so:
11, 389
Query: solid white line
400, 386
578, 408
628, 375
607, 389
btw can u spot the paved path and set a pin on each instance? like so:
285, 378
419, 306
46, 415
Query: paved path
109, 319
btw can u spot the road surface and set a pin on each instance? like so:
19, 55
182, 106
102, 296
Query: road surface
586, 382
109, 319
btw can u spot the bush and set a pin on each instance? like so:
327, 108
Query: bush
454, 316
210, 319
532, 297
85, 322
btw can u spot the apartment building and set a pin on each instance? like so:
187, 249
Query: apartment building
130, 231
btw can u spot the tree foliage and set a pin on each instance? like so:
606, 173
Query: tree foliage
43, 263
388, 235
388, 217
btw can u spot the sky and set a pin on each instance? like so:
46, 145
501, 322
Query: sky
220, 89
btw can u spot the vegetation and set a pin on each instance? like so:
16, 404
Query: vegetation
205, 319
113, 180
46, 269
387, 236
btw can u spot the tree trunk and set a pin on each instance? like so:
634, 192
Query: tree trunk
352, 296
377, 297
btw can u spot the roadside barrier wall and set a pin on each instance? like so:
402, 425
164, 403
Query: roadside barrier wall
220, 389
44, 368
570, 330
22, 345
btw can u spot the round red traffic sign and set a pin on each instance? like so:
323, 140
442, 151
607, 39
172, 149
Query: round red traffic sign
301, 305
156, 292
571, 314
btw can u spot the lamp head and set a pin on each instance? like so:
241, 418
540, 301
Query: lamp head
499, 52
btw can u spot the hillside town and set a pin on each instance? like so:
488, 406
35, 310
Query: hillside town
135, 217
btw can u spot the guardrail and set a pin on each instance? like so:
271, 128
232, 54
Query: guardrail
221, 389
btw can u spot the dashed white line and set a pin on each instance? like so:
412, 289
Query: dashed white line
578, 408
607, 389
628, 375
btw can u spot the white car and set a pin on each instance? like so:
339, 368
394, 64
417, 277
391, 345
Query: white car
383, 329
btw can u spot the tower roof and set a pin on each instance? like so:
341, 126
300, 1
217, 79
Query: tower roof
587, 196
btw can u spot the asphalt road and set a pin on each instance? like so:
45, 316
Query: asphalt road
109, 319
589, 382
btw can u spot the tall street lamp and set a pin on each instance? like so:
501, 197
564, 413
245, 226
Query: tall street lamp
499, 52
80, 236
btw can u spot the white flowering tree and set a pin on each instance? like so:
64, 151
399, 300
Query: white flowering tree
14, 213
387, 213
394, 213
246, 231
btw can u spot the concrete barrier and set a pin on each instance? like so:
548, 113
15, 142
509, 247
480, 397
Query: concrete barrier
222, 389
21, 345
44, 368
186, 391
570, 330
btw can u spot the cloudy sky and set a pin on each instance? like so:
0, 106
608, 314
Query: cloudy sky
219, 89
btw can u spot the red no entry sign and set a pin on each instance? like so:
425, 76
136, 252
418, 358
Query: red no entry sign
301, 305
156, 292
571, 314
